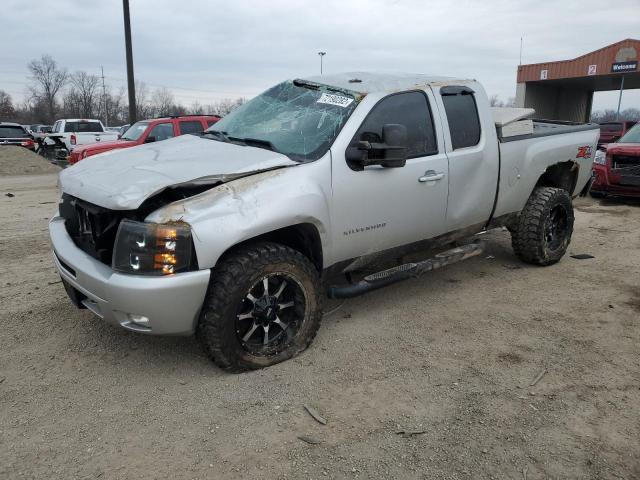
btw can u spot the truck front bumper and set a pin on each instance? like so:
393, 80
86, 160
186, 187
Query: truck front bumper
168, 305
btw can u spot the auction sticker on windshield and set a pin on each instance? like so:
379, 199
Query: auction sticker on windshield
338, 100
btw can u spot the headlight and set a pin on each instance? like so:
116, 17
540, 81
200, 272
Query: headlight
600, 157
152, 248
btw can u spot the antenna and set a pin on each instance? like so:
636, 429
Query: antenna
520, 51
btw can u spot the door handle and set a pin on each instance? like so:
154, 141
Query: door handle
431, 176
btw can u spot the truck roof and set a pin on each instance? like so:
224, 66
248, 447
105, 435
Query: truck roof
77, 120
369, 82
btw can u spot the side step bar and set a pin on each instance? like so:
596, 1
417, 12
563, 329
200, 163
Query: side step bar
404, 272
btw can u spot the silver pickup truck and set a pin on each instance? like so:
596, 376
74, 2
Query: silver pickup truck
236, 234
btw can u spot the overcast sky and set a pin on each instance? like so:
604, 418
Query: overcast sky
208, 50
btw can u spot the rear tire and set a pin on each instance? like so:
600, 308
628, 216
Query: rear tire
543, 231
263, 306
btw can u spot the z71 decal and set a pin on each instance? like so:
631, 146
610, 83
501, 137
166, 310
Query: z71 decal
584, 152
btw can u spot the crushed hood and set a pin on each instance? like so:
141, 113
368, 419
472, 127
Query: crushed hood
123, 179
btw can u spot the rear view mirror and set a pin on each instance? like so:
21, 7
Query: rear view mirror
395, 141
150, 139
390, 152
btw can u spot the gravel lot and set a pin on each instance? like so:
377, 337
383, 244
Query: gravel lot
449, 357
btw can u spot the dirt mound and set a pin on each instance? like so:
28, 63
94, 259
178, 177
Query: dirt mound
20, 161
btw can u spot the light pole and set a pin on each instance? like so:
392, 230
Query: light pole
322, 54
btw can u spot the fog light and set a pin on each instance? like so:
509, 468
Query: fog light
138, 319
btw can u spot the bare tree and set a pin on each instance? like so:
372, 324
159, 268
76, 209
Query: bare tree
196, 108
224, 106
86, 91
163, 102
494, 101
47, 80
608, 115
143, 108
7, 112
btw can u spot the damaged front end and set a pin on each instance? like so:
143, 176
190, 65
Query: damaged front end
123, 240
625, 170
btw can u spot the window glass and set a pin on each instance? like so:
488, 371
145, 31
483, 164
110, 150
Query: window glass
632, 136
299, 119
192, 126
162, 131
9, 131
135, 131
409, 109
462, 115
79, 127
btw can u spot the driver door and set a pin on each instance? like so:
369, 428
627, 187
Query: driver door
377, 208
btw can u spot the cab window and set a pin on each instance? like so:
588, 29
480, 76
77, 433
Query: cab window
162, 131
410, 109
191, 126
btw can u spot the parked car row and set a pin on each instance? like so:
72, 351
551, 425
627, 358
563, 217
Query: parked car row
147, 131
74, 139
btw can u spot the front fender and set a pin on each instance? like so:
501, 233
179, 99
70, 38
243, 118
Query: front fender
245, 208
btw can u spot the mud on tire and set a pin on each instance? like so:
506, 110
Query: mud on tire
263, 306
543, 230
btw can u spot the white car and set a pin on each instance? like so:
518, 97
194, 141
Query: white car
79, 131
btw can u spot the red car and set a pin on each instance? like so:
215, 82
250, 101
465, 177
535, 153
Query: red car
616, 170
147, 131
612, 131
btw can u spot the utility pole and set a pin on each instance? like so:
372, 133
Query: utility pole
620, 98
131, 84
322, 54
104, 99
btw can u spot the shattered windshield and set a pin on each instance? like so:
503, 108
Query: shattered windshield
295, 118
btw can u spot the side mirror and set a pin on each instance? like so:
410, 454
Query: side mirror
149, 139
391, 152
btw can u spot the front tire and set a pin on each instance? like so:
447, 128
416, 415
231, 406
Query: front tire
543, 230
263, 306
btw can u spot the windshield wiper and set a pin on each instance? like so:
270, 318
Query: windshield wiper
218, 135
254, 142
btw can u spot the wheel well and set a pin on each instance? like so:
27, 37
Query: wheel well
303, 237
560, 175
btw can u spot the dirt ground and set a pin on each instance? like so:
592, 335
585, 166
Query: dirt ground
450, 357
20, 161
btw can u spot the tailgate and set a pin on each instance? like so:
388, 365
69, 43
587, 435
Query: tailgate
85, 138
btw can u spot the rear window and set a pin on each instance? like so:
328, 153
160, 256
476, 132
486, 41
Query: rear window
12, 132
610, 127
462, 115
79, 127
